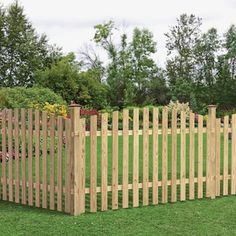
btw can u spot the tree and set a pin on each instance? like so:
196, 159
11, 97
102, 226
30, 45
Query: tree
65, 78
131, 68
180, 68
206, 53
22, 50
61, 77
145, 73
226, 72
91, 92
118, 70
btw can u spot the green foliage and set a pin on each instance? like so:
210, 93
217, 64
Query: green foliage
22, 50
65, 78
21, 97
181, 41
133, 77
61, 77
91, 92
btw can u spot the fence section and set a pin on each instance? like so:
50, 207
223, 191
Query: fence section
35, 159
125, 159
150, 156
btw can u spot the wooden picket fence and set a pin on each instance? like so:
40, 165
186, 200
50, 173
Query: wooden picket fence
129, 159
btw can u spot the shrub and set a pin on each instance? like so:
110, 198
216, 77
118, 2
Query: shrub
57, 109
178, 106
21, 97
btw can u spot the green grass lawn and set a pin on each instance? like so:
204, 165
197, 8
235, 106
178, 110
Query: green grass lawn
198, 217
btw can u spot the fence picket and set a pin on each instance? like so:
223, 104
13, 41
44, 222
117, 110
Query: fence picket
135, 157
23, 156
218, 146
208, 158
10, 156
93, 163
174, 155
233, 157
104, 162
81, 180
37, 158
145, 156
44, 156
212, 156
125, 190
200, 156
67, 165
52, 162
183, 157
4, 153
226, 153
59, 162
164, 155
191, 155
30, 156
155, 156
115, 160
17, 164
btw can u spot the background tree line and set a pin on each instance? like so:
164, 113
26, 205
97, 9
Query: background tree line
200, 66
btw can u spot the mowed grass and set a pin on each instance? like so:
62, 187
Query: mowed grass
198, 217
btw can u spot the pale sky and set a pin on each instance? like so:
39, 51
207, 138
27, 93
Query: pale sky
69, 23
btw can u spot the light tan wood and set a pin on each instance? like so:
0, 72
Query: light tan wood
23, 156
233, 158
183, 157
140, 132
93, 163
104, 162
212, 118
208, 158
145, 156
200, 156
125, 190
218, 146
191, 155
115, 115
174, 156
135, 157
10, 150
30, 156
44, 156
164, 155
4, 151
75, 149
155, 156
82, 167
109, 188
17, 166
59, 162
67, 165
52, 161
226, 153
37, 157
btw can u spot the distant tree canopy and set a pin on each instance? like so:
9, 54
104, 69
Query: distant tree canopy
22, 50
132, 75
200, 66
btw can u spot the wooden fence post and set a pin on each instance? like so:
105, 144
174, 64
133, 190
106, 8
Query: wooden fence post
75, 162
211, 158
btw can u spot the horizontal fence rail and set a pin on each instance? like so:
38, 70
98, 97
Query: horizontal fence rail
119, 160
